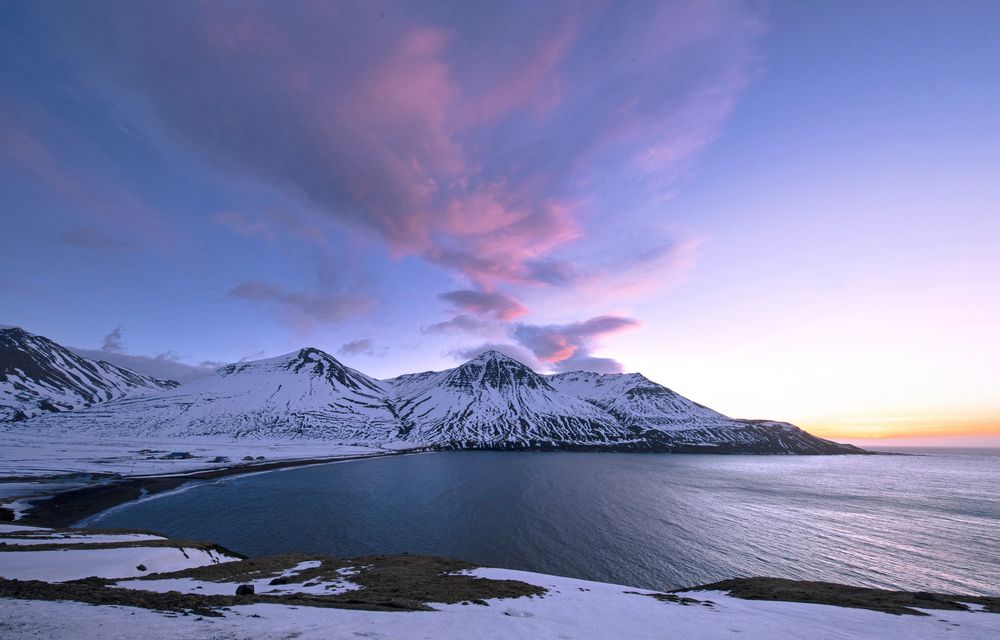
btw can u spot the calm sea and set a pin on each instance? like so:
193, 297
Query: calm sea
927, 522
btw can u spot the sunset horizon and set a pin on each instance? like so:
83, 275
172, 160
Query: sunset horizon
558, 319
725, 204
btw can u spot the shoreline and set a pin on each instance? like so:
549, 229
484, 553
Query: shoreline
79, 582
64, 509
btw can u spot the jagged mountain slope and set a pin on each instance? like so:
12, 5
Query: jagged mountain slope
490, 402
307, 394
637, 402
665, 420
496, 402
38, 376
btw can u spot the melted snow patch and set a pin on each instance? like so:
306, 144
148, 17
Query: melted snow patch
17, 528
79, 539
262, 586
72, 564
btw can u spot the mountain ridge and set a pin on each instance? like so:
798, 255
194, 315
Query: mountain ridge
38, 375
490, 402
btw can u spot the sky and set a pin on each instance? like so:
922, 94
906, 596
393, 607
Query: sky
785, 210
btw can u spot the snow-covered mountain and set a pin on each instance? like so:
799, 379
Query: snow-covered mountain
637, 402
490, 402
496, 402
39, 376
662, 419
307, 394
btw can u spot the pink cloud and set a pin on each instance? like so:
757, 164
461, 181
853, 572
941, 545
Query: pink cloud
481, 303
568, 346
503, 155
507, 247
534, 82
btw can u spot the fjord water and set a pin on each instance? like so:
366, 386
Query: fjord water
929, 522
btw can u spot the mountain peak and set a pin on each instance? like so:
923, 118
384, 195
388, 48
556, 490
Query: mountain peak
308, 361
494, 369
38, 376
291, 360
492, 401
19, 335
492, 355
312, 354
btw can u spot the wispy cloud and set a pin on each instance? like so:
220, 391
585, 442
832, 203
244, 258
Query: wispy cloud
409, 131
565, 347
361, 346
241, 224
481, 303
303, 309
92, 239
166, 366
92, 189
112, 342
502, 155
461, 323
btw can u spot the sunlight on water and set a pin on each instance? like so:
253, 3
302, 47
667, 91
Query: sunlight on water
658, 521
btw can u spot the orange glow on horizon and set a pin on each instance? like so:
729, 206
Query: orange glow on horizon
903, 427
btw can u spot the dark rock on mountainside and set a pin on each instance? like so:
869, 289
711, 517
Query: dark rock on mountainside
490, 402
38, 376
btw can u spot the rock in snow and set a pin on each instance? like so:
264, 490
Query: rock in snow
404, 597
490, 402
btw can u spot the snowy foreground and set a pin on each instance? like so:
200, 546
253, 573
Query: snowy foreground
536, 606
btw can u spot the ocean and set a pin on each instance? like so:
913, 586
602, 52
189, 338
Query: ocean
926, 522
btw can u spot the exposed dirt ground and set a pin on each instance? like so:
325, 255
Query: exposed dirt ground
388, 583
898, 602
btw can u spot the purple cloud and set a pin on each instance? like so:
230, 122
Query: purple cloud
442, 138
461, 323
361, 346
482, 303
567, 346
303, 309
504, 144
